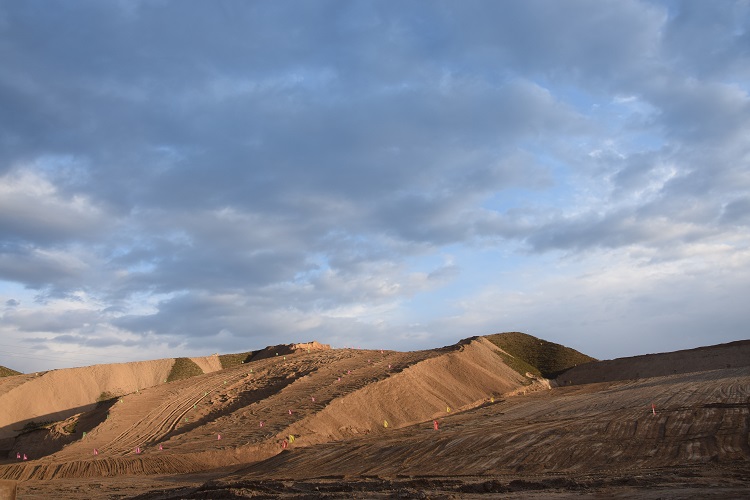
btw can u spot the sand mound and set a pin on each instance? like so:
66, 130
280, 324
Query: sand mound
287, 349
310, 346
58, 394
187, 416
208, 363
496, 433
430, 389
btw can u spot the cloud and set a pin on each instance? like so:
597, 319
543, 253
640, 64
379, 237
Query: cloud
240, 173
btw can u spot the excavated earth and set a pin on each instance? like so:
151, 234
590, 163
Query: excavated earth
344, 423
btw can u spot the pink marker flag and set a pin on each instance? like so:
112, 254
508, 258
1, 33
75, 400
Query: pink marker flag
218, 437
96, 452
435, 424
290, 412
18, 455
313, 399
160, 447
25, 457
137, 450
261, 423
653, 408
284, 444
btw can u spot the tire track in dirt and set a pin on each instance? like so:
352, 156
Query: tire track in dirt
620, 434
156, 415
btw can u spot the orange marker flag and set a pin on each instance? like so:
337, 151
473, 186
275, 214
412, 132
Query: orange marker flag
435, 424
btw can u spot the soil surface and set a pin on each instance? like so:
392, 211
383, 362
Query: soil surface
344, 423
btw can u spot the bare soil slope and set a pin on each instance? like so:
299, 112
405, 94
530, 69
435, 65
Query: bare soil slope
731, 355
345, 423
57, 394
306, 398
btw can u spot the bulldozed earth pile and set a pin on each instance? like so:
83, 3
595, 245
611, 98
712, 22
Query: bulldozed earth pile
459, 421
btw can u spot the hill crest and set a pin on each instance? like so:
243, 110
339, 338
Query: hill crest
8, 372
537, 356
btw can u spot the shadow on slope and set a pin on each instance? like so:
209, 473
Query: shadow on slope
42, 436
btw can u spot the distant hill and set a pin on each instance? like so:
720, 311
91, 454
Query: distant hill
7, 372
537, 356
716, 357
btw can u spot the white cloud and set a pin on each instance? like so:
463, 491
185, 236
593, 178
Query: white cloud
224, 177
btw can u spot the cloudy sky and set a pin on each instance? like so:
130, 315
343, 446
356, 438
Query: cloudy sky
188, 177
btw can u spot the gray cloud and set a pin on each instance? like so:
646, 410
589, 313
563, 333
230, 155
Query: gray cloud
233, 171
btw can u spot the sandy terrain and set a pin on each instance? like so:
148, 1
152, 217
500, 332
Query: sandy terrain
361, 424
208, 363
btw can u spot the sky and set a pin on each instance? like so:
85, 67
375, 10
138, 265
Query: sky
180, 178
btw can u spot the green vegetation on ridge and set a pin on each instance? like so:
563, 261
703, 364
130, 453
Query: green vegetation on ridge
537, 356
7, 372
183, 368
230, 360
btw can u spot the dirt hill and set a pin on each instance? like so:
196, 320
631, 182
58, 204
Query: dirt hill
38, 399
731, 355
537, 356
446, 423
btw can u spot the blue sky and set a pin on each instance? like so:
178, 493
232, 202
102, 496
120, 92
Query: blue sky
181, 178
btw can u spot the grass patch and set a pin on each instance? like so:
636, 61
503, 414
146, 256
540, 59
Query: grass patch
183, 368
106, 396
518, 365
230, 360
7, 372
71, 427
544, 358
